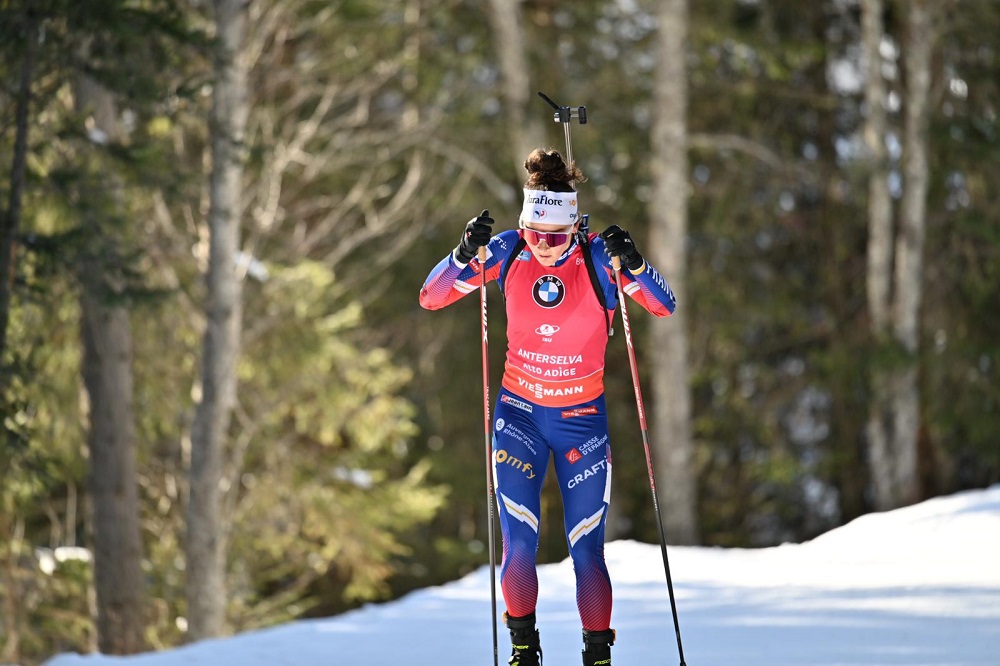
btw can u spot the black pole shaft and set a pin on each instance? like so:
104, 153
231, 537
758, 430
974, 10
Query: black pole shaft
649, 459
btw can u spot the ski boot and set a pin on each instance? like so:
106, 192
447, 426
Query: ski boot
597, 647
527, 649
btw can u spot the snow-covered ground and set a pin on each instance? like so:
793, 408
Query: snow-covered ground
916, 586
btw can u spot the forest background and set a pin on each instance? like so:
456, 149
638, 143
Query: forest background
222, 405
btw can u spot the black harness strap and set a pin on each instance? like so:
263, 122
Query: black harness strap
589, 260
514, 254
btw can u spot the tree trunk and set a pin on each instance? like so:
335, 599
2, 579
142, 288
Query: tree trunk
879, 277
112, 481
668, 346
12, 531
879, 268
206, 532
894, 423
11, 219
910, 249
107, 375
508, 35
913, 207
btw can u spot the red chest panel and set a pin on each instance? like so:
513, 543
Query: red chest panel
556, 335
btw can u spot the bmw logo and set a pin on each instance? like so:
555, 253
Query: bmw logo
548, 291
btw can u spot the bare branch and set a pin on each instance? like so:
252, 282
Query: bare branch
741, 144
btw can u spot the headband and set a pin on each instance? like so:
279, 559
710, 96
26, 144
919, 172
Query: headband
544, 207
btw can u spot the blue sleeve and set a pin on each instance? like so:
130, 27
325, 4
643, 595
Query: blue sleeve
449, 280
648, 288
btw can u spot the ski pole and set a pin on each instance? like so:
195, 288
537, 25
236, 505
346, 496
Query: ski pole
616, 264
490, 494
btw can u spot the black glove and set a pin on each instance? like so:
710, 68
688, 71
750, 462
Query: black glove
477, 234
617, 243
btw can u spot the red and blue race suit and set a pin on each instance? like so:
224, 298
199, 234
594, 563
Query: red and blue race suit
552, 404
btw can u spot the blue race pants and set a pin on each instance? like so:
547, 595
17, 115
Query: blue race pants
525, 435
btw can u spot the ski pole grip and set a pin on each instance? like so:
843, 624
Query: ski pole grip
482, 256
616, 263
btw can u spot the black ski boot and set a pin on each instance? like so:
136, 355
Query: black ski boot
524, 639
597, 647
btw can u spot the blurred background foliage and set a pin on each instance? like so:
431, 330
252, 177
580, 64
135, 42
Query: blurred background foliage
355, 466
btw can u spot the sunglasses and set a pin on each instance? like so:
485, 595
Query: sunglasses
551, 238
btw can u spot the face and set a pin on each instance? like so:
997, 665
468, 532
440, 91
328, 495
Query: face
550, 241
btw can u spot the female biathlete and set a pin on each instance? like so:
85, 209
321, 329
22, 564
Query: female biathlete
560, 302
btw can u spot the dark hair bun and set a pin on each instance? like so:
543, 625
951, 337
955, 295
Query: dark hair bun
548, 171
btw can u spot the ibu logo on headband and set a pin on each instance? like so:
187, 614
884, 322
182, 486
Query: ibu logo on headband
544, 207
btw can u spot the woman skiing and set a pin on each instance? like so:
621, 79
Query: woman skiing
560, 298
